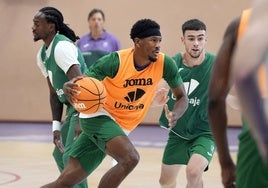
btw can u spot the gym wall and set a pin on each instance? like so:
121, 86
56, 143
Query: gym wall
24, 92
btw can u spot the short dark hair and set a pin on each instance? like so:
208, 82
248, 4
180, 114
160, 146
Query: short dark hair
94, 11
193, 24
143, 25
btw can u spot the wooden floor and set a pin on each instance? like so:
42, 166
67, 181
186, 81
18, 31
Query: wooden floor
30, 165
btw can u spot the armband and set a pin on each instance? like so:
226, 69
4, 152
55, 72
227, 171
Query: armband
56, 125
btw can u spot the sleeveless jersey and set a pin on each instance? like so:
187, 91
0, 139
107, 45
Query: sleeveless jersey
130, 92
56, 75
194, 121
262, 77
249, 175
241, 30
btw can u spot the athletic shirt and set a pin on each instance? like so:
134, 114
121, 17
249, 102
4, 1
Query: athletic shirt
261, 72
241, 30
130, 92
56, 74
194, 121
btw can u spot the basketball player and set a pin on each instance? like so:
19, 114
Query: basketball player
59, 60
250, 170
131, 77
252, 92
190, 142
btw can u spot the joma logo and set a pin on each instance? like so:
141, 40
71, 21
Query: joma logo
138, 82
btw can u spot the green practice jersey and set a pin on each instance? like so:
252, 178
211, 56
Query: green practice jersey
56, 75
194, 121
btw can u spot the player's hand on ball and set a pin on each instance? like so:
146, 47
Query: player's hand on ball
172, 117
70, 89
89, 96
57, 140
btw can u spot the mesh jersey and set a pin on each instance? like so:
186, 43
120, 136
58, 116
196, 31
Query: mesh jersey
241, 30
56, 75
130, 92
194, 121
262, 77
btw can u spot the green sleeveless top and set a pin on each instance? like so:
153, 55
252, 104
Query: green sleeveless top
56, 74
194, 121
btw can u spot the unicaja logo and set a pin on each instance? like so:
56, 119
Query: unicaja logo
190, 87
131, 97
79, 105
134, 95
59, 92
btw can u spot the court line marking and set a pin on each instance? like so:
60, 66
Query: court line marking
15, 178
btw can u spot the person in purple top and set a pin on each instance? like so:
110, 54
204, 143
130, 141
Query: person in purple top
98, 39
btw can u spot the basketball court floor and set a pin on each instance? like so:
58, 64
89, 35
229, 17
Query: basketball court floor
26, 160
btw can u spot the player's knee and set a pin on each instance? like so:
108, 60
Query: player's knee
64, 183
165, 183
193, 174
131, 160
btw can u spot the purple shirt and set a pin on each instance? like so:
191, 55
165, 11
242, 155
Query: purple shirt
107, 42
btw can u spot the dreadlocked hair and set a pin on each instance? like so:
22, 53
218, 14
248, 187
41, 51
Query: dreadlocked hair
52, 15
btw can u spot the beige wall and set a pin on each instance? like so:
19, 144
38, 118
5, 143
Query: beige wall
24, 92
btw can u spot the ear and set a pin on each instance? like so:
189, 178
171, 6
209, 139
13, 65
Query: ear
52, 27
182, 39
137, 42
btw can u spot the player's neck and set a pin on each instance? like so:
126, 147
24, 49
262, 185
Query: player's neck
48, 40
140, 61
193, 61
96, 34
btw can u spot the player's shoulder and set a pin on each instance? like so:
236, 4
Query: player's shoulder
168, 60
210, 55
178, 57
232, 28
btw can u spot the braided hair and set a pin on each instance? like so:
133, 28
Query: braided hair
52, 15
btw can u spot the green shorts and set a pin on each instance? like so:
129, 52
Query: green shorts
179, 151
89, 147
250, 170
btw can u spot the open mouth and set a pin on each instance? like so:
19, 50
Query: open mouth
156, 53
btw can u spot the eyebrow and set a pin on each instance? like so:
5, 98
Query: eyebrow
201, 35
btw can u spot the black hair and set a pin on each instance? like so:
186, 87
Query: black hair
52, 15
143, 25
193, 24
94, 11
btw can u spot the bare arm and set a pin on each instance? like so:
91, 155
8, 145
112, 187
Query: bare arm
74, 73
56, 109
56, 105
179, 107
251, 91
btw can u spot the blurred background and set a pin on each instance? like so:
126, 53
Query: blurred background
24, 92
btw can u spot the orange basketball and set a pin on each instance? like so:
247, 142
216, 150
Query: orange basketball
91, 97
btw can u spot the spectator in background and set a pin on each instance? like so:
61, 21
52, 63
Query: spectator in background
98, 39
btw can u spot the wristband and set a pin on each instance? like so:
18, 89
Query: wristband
56, 125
